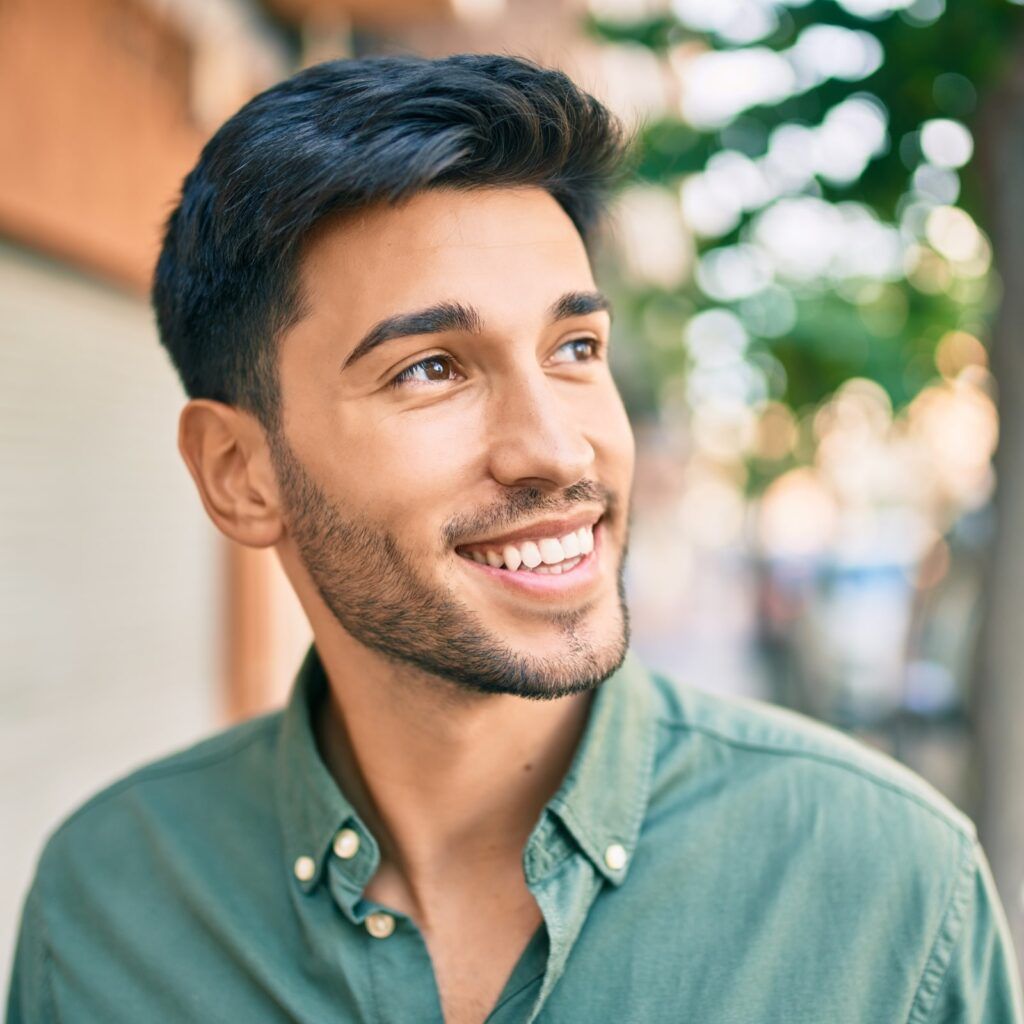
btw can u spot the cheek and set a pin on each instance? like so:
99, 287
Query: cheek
407, 468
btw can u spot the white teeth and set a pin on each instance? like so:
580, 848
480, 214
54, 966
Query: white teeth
551, 551
530, 554
512, 558
551, 554
586, 540
570, 545
557, 570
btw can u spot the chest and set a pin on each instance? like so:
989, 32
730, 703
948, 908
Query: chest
475, 935
474, 958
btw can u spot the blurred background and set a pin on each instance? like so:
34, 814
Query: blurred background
818, 274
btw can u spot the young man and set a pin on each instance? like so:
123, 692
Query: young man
377, 291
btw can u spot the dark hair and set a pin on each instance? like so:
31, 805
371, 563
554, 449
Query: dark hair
336, 137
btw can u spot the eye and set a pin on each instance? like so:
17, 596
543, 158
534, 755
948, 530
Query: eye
581, 350
426, 371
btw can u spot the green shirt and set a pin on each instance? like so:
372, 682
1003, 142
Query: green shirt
705, 860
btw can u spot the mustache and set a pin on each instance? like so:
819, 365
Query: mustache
524, 502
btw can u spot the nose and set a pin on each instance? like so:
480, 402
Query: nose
537, 436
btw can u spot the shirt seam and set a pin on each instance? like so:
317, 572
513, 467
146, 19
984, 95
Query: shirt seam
834, 762
153, 772
947, 935
51, 997
42, 959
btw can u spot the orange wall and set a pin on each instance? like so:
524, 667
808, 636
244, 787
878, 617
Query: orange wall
95, 130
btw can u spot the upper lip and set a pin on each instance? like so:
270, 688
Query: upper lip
537, 531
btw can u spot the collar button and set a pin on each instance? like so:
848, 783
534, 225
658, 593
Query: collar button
615, 856
346, 843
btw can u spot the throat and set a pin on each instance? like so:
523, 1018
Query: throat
468, 782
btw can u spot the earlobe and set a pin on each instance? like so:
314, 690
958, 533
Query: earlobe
227, 456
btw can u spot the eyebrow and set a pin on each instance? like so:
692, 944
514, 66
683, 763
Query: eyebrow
454, 316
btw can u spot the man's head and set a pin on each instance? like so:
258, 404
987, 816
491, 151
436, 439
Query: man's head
377, 292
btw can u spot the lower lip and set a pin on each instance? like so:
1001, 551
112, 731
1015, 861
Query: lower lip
584, 574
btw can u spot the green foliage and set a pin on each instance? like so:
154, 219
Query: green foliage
884, 330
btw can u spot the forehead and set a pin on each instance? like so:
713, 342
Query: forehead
500, 248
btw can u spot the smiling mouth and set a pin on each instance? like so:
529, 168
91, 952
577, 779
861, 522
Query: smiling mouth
551, 556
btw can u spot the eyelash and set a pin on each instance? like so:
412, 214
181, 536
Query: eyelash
406, 375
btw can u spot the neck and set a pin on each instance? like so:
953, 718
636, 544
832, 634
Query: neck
431, 769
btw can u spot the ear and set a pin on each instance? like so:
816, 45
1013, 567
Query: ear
226, 451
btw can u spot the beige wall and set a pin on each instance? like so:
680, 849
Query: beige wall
109, 586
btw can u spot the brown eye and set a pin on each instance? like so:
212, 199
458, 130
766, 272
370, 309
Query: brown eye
436, 369
580, 350
430, 370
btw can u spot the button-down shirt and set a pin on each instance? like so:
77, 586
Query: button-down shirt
705, 859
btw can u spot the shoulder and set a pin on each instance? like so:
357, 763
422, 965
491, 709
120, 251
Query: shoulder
183, 794
815, 771
843, 847
214, 760
785, 842
144, 871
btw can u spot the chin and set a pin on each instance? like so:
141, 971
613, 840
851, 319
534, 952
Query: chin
575, 657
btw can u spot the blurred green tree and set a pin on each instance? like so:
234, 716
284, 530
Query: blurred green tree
812, 200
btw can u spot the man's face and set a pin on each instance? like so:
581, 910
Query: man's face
426, 465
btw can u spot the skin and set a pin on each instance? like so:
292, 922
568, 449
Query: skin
367, 494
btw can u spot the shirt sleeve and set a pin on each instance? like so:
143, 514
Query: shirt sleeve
979, 982
28, 998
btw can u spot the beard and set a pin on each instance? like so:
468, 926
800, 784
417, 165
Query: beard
371, 587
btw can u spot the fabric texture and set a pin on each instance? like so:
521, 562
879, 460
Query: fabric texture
706, 859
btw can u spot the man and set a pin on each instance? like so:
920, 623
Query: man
377, 291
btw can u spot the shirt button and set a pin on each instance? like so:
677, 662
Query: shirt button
615, 856
305, 868
379, 925
346, 843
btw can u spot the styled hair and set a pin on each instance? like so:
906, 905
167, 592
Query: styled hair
337, 137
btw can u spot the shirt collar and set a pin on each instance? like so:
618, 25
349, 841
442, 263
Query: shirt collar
601, 803
311, 807
603, 799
